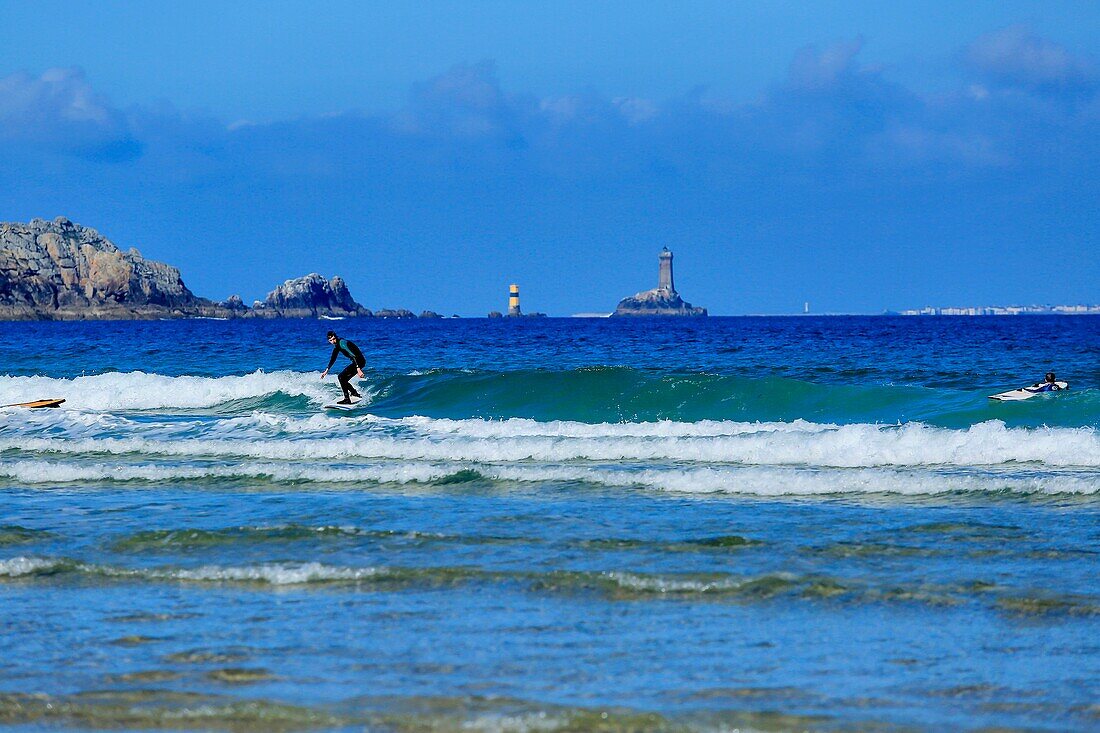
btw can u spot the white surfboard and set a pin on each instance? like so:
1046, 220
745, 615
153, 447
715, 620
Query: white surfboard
1026, 393
344, 408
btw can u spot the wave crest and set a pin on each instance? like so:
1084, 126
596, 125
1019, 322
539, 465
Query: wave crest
145, 391
772, 444
585, 395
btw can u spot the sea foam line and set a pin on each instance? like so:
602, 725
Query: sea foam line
744, 480
60, 472
848, 446
269, 573
616, 584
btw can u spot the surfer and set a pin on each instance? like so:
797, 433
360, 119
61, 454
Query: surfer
1049, 384
351, 351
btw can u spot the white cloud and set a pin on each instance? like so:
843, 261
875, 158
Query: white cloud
1017, 55
60, 109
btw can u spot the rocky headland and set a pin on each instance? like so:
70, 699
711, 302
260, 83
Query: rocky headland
58, 270
61, 270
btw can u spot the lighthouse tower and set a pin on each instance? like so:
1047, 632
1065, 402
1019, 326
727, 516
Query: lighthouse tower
513, 300
664, 279
663, 300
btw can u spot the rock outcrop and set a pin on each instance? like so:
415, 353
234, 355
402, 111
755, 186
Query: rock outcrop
235, 304
662, 300
61, 270
657, 302
58, 270
310, 297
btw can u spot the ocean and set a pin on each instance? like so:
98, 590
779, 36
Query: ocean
803, 523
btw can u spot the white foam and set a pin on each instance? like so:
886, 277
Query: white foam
525, 427
673, 584
271, 573
772, 458
847, 446
263, 435
142, 391
58, 472
15, 567
325, 424
288, 573
792, 481
743, 480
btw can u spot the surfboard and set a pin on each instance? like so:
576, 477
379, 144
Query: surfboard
343, 408
1025, 393
37, 403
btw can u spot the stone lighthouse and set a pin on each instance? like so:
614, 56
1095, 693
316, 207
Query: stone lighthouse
664, 277
662, 300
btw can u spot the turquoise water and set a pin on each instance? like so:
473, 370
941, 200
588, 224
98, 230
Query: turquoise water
714, 524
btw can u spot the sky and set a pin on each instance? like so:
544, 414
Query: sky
861, 156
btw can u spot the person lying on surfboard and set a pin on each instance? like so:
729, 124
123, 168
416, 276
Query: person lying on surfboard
351, 351
1048, 385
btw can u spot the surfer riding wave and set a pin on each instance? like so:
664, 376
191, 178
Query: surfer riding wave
350, 350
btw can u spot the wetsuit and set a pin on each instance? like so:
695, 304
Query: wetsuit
351, 351
1044, 387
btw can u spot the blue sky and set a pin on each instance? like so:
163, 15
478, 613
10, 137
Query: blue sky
858, 155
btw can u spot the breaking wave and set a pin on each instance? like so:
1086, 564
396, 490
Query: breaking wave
747, 480
797, 443
116, 391
264, 429
587, 395
612, 584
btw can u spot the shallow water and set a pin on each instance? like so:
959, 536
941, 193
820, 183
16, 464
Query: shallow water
771, 524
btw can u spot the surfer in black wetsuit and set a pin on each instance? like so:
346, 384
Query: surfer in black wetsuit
351, 351
1049, 384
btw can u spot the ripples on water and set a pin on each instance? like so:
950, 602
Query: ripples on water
773, 524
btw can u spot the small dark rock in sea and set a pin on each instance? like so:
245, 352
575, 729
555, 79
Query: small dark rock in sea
234, 303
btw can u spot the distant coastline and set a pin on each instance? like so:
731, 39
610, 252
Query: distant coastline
1006, 310
59, 270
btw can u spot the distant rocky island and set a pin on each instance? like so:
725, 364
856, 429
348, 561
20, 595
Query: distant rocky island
662, 300
58, 270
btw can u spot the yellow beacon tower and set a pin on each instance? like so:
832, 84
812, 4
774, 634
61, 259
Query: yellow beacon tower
513, 300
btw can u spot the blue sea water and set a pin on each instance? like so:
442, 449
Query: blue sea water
551, 524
